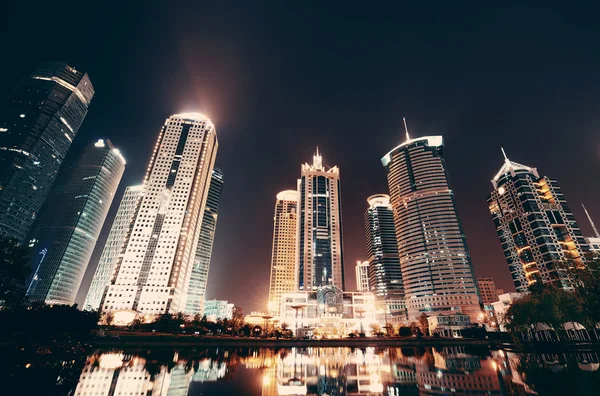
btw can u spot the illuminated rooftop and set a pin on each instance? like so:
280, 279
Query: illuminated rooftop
432, 141
378, 200
288, 195
512, 167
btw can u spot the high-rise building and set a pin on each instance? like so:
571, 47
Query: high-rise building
38, 122
199, 277
114, 247
437, 271
593, 242
284, 252
154, 275
218, 309
385, 274
362, 276
320, 250
487, 290
68, 227
535, 225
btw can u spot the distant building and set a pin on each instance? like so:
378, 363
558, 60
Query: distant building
113, 248
199, 277
501, 306
448, 325
328, 311
362, 276
535, 225
437, 271
284, 251
69, 226
594, 244
487, 290
158, 258
38, 122
218, 309
320, 250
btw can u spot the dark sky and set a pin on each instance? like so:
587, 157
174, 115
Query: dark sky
279, 80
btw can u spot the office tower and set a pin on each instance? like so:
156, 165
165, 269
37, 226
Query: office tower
487, 290
362, 276
320, 251
154, 275
69, 225
114, 247
437, 271
535, 225
385, 274
284, 251
199, 277
38, 122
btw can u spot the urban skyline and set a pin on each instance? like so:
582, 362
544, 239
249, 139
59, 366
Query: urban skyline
505, 83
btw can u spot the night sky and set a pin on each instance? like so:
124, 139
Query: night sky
279, 80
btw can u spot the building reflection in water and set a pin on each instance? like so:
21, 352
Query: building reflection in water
327, 371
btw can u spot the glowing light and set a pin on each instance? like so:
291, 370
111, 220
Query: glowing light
266, 380
501, 190
22, 115
111, 360
99, 143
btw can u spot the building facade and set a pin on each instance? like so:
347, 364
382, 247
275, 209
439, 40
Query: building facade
362, 276
199, 277
536, 227
320, 250
69, 226
114, 247
284, 251
154, 275
329, 312
594, 244
218, 309
38, 122
487, 290
437, 271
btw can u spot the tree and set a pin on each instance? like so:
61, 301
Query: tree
237, 318
109, 318
389, 329
585, 280
375, 328
14, 270
423, 323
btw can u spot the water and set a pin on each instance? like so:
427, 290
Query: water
298, 371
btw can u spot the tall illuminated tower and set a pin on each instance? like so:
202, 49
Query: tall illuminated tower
199, 277
114, 248
320, 250
284, 252
71, 221
155, 272
362, 276
437, 271
535, 225
38, 122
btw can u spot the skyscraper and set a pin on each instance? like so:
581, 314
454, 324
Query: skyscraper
362, 276
437, 271
284, 251
38, 122
385, 274
320, 250
114, 247
199, 277
69, 225
154, 275
535, 225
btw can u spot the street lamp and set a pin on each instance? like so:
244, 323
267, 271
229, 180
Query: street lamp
297, 308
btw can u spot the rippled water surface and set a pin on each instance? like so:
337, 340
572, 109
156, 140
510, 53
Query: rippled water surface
298, 371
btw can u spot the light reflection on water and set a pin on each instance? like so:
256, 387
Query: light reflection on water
317, 371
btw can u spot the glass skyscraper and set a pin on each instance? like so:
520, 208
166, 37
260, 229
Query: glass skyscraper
536, 226
437, 271
199, 277
38, 122
71, 221
112, 253
320, 250
154, 274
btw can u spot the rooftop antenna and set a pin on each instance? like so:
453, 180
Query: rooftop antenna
591, 222
406, 129
504, 153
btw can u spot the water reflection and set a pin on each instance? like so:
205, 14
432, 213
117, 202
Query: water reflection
331, 371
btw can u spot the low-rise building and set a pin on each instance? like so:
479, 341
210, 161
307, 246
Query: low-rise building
218, 309
448, 325
502, 305
328, 312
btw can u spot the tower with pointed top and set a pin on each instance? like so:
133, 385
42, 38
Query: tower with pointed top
320, 252
535, 225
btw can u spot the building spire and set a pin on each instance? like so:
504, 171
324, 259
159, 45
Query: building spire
406, 129
317, 160
504, 154
591, 222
